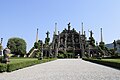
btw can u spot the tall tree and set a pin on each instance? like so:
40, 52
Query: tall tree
17, 46
118, 42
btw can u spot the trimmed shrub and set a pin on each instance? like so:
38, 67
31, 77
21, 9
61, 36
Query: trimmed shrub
19, 65
1, 58
61, 56
3, 67
16, 66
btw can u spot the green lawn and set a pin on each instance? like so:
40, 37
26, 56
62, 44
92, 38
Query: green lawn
14, 60
112, 60
115, 63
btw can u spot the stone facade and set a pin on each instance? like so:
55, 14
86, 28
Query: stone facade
71, 44
69, 41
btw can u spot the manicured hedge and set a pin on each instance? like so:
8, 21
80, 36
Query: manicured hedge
103, 62
3, 67
19, 65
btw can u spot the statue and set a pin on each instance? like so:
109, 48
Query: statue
115, 44
47, 34
69, 26
91, 33
6, 53
47, 39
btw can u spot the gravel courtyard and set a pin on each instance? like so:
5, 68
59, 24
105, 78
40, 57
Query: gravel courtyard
64, 69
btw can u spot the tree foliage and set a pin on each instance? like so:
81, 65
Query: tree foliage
1, 47
92, 41
17, 46
118, 42
36, 45
102, 45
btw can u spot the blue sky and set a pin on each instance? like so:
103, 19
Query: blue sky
21, 18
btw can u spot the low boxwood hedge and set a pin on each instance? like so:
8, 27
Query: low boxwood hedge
3, 67
19, 65
104, 62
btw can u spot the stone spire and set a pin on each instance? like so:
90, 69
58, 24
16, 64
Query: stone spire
82, 28
37, 36
101, 35
55, 28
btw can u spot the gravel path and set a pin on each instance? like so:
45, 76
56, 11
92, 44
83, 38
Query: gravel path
64, 69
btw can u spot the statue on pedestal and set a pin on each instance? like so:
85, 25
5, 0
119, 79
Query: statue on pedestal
6, 53
69, 26
91, 33
47, 40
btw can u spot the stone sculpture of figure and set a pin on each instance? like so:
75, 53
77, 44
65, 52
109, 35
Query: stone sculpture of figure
115, 44
91, 33
47, 39
69, 26
47, 34
6, 53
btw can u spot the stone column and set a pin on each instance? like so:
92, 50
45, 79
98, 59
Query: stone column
65, 42
1, 48
83, 50
101, 35
49, 51
79, 39
53, 42
58, 40
82, 45
42, 50
73, 43
56, 48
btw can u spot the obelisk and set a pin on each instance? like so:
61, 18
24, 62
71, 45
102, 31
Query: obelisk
82, 28
101, 35
37, 36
